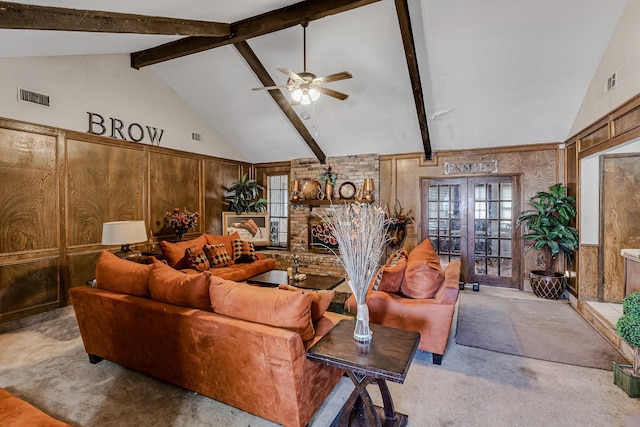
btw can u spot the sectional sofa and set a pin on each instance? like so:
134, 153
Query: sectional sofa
240, 344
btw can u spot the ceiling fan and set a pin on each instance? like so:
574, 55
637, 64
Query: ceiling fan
305, 87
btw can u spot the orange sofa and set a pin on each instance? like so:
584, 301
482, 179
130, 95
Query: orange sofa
176, 256
413, 292
240, 344
15, 412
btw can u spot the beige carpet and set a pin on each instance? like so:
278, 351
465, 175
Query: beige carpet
541, 329
46, 365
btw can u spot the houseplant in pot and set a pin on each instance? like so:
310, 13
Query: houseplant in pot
547, 230
627, 377
245, 196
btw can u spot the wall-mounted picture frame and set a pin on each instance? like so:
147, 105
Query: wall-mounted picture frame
252, 227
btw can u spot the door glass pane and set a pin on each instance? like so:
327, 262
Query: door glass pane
480, 192
444, 227
505, 229
505, 267
480, 227
455, 245
493, 210
505, 248
505, 191
492, 191
493, 228
433, 227
505, 210
444, 209
444, 193
433, 210
492, 247
480, 210
455, 227
433, 193
492, 266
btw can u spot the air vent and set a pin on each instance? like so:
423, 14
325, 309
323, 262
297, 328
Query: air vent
195, 136
26, 95
611, 82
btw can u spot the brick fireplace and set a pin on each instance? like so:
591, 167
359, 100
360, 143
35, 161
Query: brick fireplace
352, 169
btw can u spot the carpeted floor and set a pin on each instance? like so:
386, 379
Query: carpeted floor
46, 365
540, 329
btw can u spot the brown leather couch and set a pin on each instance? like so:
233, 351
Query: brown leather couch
414, 293
236, 343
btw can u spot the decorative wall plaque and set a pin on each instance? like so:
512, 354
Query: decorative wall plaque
490, 166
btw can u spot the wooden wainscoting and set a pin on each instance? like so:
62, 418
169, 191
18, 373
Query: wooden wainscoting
60, 186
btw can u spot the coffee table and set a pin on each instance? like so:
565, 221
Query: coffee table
387, 357
313, 281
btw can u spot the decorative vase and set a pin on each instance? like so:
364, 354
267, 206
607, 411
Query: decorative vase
328, 191
180, 235
549, 287
362, 333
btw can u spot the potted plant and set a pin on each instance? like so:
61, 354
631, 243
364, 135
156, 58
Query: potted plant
627, 377
548, 231
245, 196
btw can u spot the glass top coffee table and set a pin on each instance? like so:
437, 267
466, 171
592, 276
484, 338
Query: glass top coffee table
313, 281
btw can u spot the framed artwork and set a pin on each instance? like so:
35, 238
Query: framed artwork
320, 237
252, 227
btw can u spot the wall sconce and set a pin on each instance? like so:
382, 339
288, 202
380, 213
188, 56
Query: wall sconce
295, 189
368, 189
124, 233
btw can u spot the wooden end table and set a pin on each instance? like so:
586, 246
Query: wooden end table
387, 357
315, 282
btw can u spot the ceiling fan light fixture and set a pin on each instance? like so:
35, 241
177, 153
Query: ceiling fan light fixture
297, 95
306, 99
314, 94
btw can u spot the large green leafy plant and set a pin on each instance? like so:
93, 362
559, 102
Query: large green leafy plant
245, 196
628, 326
547, 226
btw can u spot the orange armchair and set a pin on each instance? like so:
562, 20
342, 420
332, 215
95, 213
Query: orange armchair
431, 317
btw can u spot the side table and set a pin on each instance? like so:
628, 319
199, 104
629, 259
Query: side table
387, 357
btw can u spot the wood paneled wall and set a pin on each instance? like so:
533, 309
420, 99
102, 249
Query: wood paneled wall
60, 186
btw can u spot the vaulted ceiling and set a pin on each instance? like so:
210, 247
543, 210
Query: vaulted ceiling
491, 73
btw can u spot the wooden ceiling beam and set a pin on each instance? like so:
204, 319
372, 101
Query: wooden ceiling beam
404, 19
254, 63
255, 26
30, 17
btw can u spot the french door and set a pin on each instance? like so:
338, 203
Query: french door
472, 219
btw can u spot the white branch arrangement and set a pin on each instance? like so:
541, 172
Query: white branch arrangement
361, 232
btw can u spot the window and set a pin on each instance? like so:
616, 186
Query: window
278, 207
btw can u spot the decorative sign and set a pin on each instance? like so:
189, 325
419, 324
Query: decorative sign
118, 129
490, 166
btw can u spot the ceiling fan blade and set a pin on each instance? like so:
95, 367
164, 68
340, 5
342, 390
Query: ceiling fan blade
290, 73
270, 87
330, 92
333, 77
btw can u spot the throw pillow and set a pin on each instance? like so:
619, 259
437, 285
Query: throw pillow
174, 252
197, 259
392, 273
218, 255
320, 300
423, 275
227, 240
120, 275
187, 290
243, 251
268, 306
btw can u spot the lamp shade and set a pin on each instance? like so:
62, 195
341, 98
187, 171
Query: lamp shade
295, 185
123, 232
368, 184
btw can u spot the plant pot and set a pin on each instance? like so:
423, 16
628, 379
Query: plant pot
549, 287
623, 377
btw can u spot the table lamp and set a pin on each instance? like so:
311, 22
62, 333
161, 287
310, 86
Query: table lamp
368, 189
124, 233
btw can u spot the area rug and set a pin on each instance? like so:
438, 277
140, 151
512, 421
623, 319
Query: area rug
545, 330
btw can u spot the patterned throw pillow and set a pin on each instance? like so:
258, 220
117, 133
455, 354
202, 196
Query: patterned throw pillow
196, 258
391, 274
218, 255
243, 251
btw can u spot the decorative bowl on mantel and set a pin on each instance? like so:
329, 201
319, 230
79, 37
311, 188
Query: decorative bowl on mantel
310, 189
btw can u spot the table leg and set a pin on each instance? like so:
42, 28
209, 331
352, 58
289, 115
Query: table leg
359, 404
389, 410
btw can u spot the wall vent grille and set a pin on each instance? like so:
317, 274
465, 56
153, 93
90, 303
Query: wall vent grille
195, 136
26, 95
611, 82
